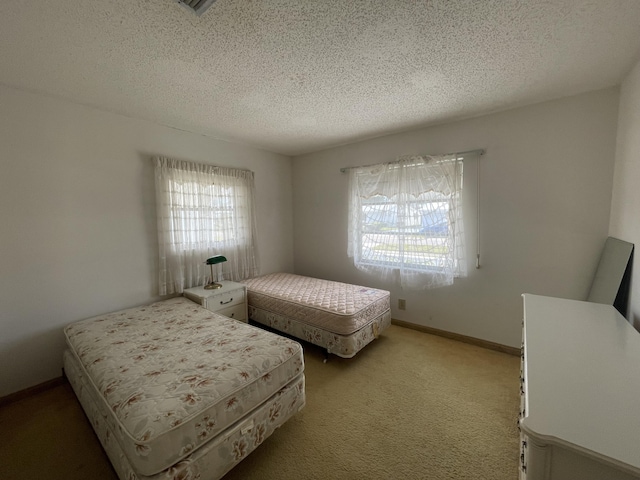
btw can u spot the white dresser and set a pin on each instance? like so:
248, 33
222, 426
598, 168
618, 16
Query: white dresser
580, 387
230, 300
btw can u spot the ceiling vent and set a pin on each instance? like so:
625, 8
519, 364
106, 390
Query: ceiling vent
196, 6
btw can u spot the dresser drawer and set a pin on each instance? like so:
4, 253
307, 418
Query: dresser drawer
236, 312
215, 303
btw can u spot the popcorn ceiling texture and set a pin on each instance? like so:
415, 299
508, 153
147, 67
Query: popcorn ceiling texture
295, 76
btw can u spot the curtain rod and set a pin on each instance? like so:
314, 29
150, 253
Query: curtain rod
479, 151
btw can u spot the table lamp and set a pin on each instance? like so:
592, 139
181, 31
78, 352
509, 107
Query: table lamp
215, 260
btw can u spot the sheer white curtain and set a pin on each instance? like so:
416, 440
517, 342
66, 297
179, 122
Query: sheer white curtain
203, 210
405, 220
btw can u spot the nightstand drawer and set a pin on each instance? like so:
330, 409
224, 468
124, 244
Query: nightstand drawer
237, 312
215, 303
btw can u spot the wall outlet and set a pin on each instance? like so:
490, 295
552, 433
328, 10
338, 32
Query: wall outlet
402, 304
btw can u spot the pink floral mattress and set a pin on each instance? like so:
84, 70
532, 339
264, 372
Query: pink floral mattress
340, 308
173, 375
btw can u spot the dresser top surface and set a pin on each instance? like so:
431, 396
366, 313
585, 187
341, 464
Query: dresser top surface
582, 364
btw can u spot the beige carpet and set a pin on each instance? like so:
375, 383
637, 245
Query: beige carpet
409, 406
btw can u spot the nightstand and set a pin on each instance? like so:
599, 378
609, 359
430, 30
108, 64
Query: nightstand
230, 300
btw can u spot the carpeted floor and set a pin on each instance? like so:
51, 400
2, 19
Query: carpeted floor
410, 405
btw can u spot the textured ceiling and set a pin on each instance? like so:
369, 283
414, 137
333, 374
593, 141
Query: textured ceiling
295, 76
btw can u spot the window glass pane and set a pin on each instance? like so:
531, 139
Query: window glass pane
413, 234
203, 214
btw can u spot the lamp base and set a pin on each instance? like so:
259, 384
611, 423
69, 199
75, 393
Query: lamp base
211, 286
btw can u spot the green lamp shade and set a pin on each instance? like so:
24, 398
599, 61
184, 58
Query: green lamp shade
216, 259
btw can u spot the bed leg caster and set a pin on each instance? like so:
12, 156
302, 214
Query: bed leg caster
326, 356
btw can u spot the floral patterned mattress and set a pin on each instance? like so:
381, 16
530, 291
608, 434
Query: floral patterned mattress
339, 308
173, 375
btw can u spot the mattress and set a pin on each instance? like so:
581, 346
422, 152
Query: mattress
335, 307
171, 376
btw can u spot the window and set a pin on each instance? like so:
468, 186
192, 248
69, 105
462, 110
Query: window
204, 215
406, 220
417, 236
203, 210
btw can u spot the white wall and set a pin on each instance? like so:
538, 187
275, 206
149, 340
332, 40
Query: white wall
546, 183
625, 205
77, 210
